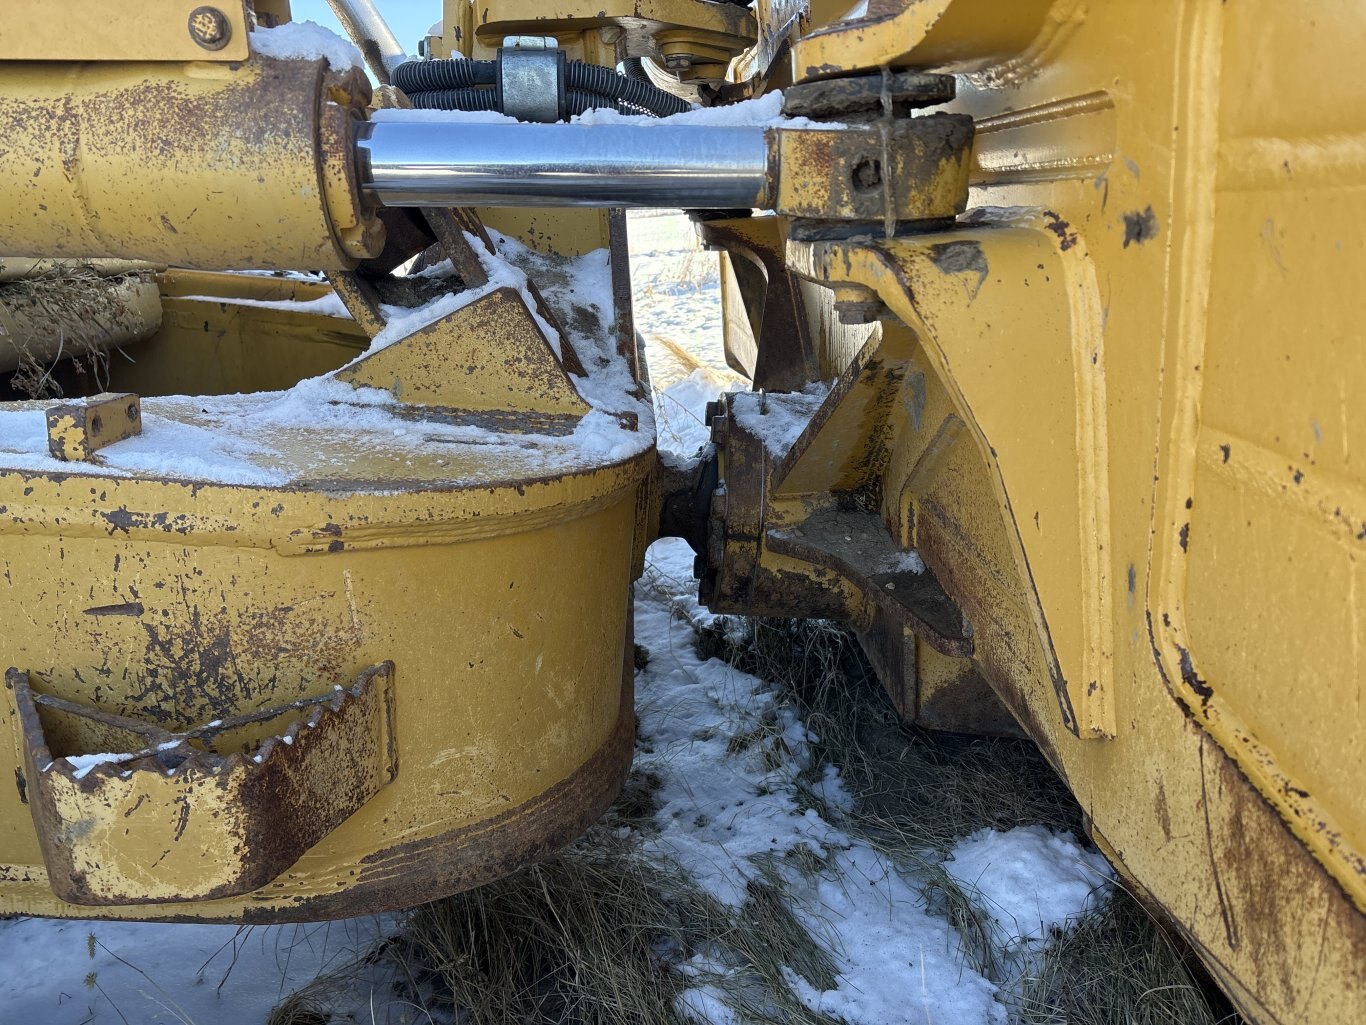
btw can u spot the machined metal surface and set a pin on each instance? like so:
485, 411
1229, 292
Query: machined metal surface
371, 33
444, 163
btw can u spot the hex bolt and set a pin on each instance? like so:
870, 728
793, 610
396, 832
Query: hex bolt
210, 28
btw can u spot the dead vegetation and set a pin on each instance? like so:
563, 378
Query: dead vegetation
596, 935
916, 793
81, 313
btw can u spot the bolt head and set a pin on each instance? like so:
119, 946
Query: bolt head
210, 28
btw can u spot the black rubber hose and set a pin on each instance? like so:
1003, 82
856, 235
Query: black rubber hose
607, 82
455, 99
451, 85
424, 76
580, 101
634, 67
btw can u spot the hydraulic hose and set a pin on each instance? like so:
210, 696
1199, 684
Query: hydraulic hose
607, 82
424, 76
456, 85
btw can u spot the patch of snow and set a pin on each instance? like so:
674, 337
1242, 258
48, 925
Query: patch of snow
1028, 879
909, 562
778, 418
239, 439
404, 321
306, 40
82, 764
75, 972
680, 414
329, 305
763, 112
464, 117
728, 756
897, 962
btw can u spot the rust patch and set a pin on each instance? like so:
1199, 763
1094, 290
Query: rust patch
856, 547
258, 804
1164, 817
962, 257
421, 870
1140, 226
1192, 678
1067, 238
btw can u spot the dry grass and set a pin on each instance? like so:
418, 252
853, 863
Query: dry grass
916, 793
1118, 966
596, 936
68, 299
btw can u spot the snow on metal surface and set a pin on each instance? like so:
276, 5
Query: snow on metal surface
246, 439
306, 40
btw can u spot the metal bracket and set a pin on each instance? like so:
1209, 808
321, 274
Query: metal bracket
531, 78
77, 430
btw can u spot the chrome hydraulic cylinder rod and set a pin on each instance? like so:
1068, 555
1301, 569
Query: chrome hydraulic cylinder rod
371, 33
453, 163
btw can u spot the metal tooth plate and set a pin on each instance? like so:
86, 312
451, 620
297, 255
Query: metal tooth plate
173, 821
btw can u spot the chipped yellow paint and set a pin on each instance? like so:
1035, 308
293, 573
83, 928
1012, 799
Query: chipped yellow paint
77, 430
256, 166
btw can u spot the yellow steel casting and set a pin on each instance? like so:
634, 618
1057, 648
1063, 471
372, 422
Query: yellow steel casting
1114, 410
199, 632
1113, 407
77, 430
111, 30
210, 165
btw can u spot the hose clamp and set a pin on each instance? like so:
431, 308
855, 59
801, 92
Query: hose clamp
531, 73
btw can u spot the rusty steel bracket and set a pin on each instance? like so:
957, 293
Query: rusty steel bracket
777, 352
77, 430
857, 547
852, 179
222, 809
489, 356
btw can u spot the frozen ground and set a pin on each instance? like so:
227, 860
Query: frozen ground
735, 796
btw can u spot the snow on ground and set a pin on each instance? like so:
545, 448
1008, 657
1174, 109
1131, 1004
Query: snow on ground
731, 804
97, 973
676, 289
